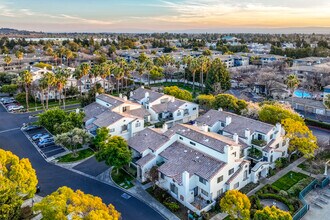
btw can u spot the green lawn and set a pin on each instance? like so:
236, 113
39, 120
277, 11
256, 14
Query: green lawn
289, 180
51, 104
123, 179
81, 155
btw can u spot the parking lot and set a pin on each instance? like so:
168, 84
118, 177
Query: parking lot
46, 151
11, 105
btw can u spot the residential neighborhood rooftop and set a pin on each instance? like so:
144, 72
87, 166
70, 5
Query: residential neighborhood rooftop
139, 94
180, 158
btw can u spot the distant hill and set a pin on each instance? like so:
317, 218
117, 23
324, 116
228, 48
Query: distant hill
11, 31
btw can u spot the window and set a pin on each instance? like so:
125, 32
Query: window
219, 192
192, 143
259, 136
194, 109
231, 171
204, 192
220, 178
283, 153
222, 124
277, 146
124, 128
245, 175
236, 185
174, 189
181, 138
202, 180
179, 113
162, 175
138, 124
124, 108
112, 130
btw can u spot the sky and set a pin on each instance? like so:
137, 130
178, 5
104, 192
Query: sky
163, 15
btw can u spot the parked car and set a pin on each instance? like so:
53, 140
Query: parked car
30, 127
45, 136
45, 143
15, 107
9, 101
6, 99
38, 136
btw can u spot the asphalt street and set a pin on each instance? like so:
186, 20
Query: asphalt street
51, 177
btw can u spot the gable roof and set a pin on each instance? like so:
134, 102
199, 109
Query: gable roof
107, 118
169, 106
113, 101
209, 139
147, 139
139, 94
238, 123
180, 158
93, 110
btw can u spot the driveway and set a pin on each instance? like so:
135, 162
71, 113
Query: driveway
91, 167
51, 177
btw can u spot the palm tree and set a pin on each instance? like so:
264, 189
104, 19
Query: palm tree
7, 59
49, 78
94, 73
42, 86
205, 64
193, 67
61, 79
104, 72
119, 74
292, 82
68, 55
26, 79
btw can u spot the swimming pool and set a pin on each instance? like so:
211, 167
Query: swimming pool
302, 94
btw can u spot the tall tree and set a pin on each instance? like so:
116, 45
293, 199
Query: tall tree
115, 152
61, 79
17, 180
118, 73
236, 204
193, 67
19, 55
73, 139
49, 79
205, 64
42, 86
218, 79
292, 82
65, 202
26, 78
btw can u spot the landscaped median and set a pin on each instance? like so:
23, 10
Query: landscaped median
80, 155
122, 178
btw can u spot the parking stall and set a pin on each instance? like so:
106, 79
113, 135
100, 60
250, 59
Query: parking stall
48, 150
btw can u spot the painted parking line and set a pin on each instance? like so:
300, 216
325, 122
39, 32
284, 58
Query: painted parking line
13, 129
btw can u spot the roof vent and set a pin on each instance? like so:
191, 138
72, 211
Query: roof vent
206, 140
185, 151
197, 157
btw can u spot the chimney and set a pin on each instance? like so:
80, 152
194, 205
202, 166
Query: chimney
130, 94
279, 128
228, 120
247, 133
165, 127
125, 98
146, 95
120, 95
204, 128
220, 109
142, 87
235, 138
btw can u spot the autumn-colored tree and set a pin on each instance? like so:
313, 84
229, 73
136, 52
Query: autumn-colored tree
17, 180
236, 205
65, 202
115, 152
301, 138
276, 113
7, 59
206, 101
178, 93
230, 103
272, 213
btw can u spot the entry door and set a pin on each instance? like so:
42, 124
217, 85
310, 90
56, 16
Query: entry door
196, 191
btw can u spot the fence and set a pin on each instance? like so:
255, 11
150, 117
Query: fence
304, 192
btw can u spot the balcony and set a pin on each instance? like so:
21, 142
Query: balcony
255, 154
259, 143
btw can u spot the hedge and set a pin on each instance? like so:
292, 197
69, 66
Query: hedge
279, 198
317, 123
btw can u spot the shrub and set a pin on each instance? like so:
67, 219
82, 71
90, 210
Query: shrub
283, 193
173, 206
205, 215
20, 97
279, 198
